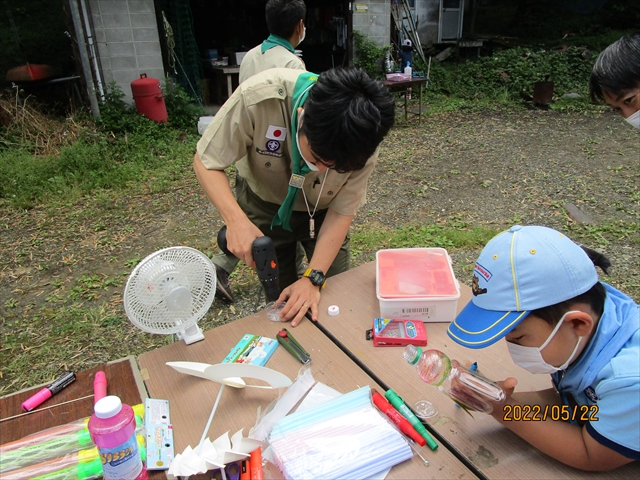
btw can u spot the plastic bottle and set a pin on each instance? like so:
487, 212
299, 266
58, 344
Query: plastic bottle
112, 428
408, 70
470, 389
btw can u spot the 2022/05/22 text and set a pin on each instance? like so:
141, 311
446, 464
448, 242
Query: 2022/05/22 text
537, 413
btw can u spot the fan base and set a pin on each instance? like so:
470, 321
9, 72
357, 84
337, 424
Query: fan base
191, 337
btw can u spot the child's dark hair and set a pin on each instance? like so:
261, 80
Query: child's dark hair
283, 16
617, 69
346, 116
594, 297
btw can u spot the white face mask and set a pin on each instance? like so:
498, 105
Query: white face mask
530, 358
311, 166
634, 120
304, 34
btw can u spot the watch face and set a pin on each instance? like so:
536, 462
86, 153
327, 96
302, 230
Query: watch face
316, 277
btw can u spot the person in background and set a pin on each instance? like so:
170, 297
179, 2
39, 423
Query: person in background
615, 78
305, 146
406, 54
540, 291
285, 21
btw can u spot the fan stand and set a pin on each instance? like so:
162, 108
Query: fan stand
191, 335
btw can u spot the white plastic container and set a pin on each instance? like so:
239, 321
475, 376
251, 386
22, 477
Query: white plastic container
416, 283
203, 123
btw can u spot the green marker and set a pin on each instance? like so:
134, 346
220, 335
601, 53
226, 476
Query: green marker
399, 405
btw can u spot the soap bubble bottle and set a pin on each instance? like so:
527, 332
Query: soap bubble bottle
113, 429
469, 389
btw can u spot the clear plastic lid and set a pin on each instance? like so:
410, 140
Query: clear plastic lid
107, 407
415, 273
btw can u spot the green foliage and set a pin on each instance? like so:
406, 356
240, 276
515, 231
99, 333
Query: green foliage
365, 239
369, 56
97, 160
514, 71
183, 112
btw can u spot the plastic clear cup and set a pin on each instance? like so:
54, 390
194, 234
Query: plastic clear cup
272, 310
425, 410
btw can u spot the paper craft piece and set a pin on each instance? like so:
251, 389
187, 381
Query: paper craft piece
214, 454
283, 406
232, 373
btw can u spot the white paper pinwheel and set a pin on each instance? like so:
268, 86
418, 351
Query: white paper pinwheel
210, 455
214, 454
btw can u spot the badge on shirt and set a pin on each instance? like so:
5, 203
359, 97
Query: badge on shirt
591, 394
276, 133
273, 145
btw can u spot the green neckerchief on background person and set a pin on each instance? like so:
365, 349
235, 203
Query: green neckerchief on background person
300, 92
273, 41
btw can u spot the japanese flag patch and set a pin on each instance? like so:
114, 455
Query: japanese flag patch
276, 133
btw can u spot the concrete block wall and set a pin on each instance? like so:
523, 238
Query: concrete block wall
128, 44
375, 22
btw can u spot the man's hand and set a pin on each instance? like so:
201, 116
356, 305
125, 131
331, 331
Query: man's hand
301, 297
240, 237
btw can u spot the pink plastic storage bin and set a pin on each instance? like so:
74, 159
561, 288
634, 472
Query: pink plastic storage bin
416, 283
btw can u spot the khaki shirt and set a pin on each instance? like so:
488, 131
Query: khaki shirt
253, 130
277, 57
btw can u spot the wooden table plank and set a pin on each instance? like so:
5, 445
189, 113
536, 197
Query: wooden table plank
493, 449
72, 403
191, 399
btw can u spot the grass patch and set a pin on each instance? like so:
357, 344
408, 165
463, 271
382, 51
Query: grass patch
366, 240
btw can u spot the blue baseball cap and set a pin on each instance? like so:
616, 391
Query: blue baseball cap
520, 270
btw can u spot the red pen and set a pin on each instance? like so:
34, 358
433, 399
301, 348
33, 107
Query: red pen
99, 386
48, 391
397, 418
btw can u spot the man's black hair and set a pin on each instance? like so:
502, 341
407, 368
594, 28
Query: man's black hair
617, 69
346, 116
283, 16
594, 297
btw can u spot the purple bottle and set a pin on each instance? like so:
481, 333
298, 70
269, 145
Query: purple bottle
113, 429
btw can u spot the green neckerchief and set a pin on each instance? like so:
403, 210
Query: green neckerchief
300, 92
273, 41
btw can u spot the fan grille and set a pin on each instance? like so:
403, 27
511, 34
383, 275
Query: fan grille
165, 275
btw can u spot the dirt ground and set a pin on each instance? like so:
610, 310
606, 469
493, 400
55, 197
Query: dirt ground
492, 169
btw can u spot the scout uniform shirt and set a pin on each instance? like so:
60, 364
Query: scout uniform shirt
277, 57
253, 130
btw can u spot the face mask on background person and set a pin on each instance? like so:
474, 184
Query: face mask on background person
530, 358
634, 120
311, 166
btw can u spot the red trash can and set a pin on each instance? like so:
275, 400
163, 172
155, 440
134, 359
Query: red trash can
149, 99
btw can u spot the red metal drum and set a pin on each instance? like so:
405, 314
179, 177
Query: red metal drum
149, 99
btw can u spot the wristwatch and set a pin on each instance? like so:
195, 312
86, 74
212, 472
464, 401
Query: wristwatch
316, 276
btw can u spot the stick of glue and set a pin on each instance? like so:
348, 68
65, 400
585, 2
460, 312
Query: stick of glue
399, 404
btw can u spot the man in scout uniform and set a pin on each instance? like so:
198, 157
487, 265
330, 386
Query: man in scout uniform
305, 146
285, 21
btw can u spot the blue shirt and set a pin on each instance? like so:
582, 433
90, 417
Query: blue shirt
605, 381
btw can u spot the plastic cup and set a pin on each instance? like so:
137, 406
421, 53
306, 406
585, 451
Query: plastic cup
272, 310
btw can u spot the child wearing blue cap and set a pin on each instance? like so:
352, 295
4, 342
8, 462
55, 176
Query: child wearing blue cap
539, 291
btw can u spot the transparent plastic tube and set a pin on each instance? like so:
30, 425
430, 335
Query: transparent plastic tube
469, 389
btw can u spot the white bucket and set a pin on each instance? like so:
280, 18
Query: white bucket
203, 123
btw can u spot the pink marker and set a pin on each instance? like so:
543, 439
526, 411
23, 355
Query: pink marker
48, 391
99, 386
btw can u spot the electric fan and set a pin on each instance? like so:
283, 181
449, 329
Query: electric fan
170, 291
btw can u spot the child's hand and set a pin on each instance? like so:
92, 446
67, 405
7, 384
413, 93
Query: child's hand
508, 385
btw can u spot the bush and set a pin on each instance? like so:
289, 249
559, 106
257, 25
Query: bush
369, 56
513, 72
